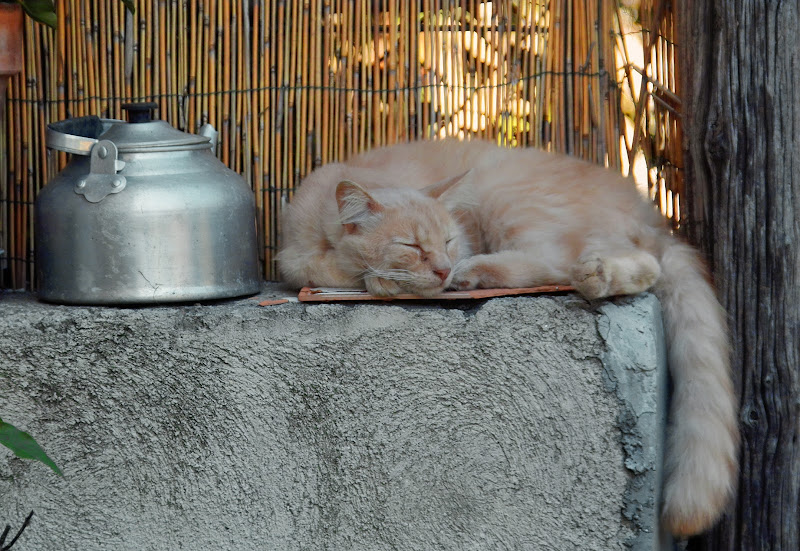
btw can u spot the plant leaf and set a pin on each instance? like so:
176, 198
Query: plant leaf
130, 5
43, 11
23, 445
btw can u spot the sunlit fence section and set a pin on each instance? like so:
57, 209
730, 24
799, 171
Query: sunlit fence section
646, 64
291, 85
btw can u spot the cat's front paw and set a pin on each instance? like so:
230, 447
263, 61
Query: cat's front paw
625, 274
466, 277
381, 287
591, 278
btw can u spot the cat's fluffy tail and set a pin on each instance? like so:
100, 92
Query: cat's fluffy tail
703, 437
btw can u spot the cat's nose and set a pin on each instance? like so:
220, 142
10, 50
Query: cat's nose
442, 273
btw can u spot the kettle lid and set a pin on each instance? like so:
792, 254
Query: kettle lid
142, 134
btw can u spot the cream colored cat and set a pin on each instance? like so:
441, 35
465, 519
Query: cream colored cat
428, 216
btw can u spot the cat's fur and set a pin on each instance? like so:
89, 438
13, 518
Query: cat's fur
427, 216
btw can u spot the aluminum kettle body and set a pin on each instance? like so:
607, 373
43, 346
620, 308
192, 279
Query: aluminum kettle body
182, 228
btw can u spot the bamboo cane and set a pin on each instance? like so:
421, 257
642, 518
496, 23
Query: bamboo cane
224, 28
340, 97
317, 81
173, 69
361, 25
191, 110
203, 69
21, 177
300, 85
160, 43
405, 31
239, 147
17, 256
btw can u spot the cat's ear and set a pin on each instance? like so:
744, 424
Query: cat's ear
355, 205
454, 193
440, 188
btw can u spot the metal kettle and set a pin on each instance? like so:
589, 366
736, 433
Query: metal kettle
142, 213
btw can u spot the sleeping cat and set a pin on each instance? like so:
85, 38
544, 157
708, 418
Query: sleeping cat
429, 216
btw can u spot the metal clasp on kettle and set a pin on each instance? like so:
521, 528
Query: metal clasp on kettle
79, 136
102, 179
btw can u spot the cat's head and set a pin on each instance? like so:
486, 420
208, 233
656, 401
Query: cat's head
403, 240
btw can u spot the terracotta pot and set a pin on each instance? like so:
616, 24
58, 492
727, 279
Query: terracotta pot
10, 38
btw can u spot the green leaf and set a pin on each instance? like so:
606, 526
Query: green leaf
23, 445
43, 11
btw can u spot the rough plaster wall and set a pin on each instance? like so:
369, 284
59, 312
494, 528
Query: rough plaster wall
233, 426
636, 371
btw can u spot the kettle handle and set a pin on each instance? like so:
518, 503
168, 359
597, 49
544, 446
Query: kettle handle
77, 135
209, 132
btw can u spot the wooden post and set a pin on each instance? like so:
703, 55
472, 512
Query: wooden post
741, 96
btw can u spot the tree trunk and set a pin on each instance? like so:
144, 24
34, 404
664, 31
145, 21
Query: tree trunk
740, 83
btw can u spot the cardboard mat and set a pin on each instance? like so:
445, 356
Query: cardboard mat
329, 294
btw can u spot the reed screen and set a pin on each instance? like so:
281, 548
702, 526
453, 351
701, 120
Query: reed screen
292, 85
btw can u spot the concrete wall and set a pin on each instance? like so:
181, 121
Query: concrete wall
512, 423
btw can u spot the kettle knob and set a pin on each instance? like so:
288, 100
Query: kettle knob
140, 111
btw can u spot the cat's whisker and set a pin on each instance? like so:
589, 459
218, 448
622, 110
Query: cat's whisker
394, 275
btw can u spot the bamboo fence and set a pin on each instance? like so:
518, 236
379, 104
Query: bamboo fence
292, 85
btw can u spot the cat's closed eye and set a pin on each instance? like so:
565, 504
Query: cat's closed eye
410, 245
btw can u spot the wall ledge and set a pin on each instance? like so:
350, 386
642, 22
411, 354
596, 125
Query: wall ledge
523, 422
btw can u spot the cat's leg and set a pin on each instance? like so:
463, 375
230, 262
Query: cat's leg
598, 274
507, 269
